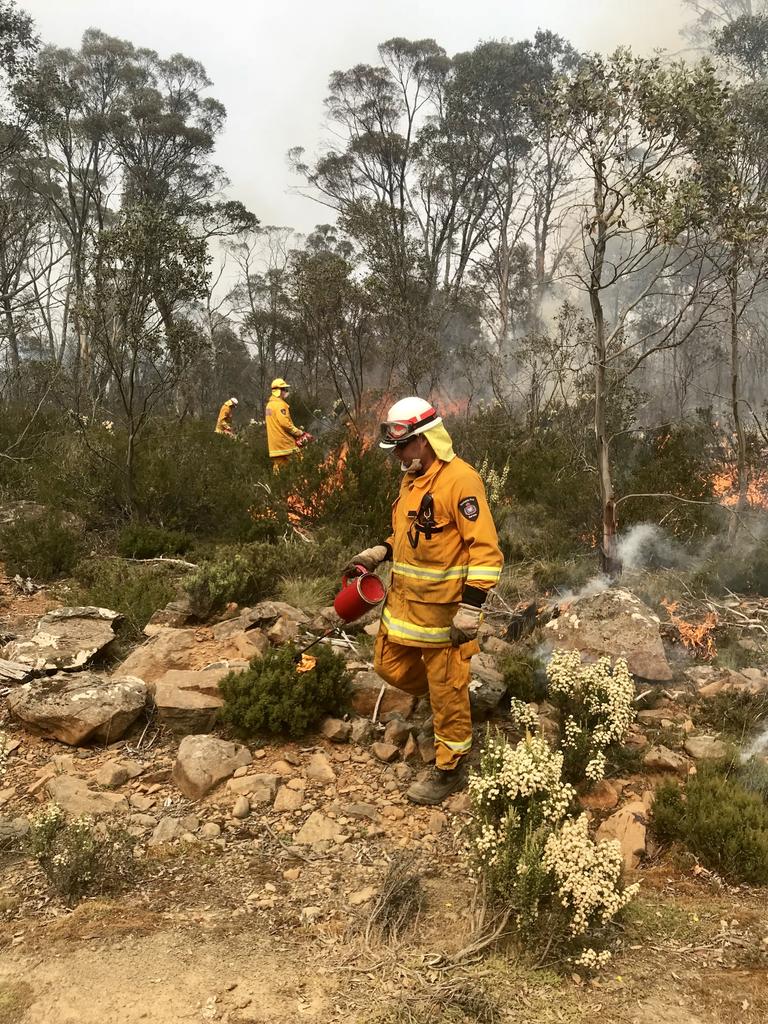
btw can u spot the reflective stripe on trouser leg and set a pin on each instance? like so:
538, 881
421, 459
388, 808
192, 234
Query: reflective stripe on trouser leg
448, 672
400, 666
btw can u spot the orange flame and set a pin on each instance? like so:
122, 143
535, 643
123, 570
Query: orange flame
725, 487
696, 638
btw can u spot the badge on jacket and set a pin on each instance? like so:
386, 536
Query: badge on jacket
469, 508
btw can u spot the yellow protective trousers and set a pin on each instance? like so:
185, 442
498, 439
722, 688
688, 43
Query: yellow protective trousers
443, 674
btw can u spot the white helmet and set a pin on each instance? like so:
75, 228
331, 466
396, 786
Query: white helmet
406, 418
233, 401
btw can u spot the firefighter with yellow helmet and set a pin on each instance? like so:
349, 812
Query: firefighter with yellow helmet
224, 419
284, 438
445, 558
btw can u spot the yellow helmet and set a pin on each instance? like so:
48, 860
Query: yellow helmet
278, 382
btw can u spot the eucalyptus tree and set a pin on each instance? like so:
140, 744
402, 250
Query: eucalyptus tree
640, 129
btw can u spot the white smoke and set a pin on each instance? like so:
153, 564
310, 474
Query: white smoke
757, 747
647, 544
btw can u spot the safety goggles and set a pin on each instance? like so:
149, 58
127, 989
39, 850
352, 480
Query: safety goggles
397, 432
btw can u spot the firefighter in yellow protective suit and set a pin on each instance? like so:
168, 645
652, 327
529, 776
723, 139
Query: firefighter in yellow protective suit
445, 558
224, 419
284, 439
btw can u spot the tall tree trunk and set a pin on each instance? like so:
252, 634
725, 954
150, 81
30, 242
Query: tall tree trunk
742, 469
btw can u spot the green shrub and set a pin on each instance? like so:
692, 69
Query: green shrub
522, 676
135, 591
719, 821
272, 697
43, 547
142, 540
255, 572
81, 858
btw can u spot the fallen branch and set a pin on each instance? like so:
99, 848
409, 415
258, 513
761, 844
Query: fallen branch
164, 561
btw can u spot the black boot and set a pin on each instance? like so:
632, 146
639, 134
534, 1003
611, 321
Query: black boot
436, 785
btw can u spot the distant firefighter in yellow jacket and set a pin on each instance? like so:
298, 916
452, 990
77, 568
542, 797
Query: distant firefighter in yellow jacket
445, 558
224, 420
284, 438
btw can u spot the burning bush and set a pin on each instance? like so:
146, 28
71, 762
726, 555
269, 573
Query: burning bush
719, 821
537, 865
272, 697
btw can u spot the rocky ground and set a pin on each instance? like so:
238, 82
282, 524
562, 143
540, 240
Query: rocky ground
259, 867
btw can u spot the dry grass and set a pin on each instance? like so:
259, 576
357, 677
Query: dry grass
15, 999
310, 594
400, 900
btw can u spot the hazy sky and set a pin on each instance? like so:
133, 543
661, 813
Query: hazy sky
270, 62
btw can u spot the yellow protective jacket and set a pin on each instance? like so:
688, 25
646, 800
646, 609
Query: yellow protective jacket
224, 420
440, 556
281, 432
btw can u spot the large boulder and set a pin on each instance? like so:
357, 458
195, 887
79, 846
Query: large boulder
705, 748
615, 623
486, 685
186, 712
189, 649
78, 709
628, 825
75, 798
203, 762
66, 638
364, 694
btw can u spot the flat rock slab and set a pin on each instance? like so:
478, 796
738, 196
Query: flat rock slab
615, 623
486, 686
705, 748
185, 650
203, 762
204, 680
318, 828
66, 639
78, 709
75, 798
662, 759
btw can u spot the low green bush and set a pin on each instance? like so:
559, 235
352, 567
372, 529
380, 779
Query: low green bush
272, 697
135, 591
80, 858
142, 540
43, 547
523, 676
248, 573
719, 821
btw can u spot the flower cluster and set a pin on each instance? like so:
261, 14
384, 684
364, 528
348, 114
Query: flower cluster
494, 481
587, 875
523, 716
597, 706
512, 776
591, 959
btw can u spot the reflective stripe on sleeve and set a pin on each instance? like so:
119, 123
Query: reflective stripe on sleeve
410, 631
484, 572
282, 451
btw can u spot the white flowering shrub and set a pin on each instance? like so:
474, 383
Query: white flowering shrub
596, 705
494, 481
79, 857
533, 859
587, 875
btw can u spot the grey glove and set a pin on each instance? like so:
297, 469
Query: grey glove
466, 623
370, 559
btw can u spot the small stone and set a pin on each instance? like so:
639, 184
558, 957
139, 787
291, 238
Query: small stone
241, 771
261, 787
140, 802
242, 807
292, 758
426, 744
397, 732
410, 748
318, 828
292, 874
361, 810
663, 759
190, 822
310, 914
210, 830
297, 784
111, 775
437, 822
283, 768
601, 797
167, 830
386, 752
403, 772
288, 799
319, 769
356, 899
362, 731
335, 730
